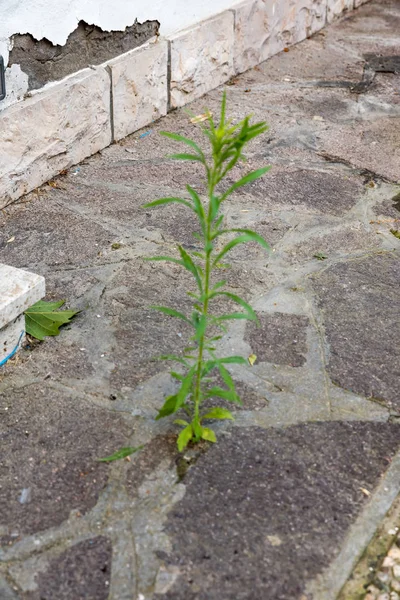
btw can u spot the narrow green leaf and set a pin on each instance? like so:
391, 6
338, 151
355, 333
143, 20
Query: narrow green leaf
226, 376
250, 236
250, 312
121, 453
230, 395
162, 201
237, 360
235, 316
208, 435
197, 429
219, 413
184, 437
223, 111
174, 357
181, 422
180, 138
176, 375
246, 179
172, 313
185, 387
199, 208
188, 263
169, 407
164, 258
191, 157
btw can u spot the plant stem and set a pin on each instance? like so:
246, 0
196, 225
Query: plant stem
207, 274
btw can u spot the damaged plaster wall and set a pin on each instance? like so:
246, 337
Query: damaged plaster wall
40, 30
87, 45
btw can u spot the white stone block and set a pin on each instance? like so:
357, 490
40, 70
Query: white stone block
337, 7
265, 27
139, 87
292, 21
11, 338
18, 291
252, 34
55, 128
201, 58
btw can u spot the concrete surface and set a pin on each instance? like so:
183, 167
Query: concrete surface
296, 486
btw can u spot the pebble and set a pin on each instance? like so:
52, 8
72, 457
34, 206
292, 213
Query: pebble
394, 553
388, 562
396, 571
395, 585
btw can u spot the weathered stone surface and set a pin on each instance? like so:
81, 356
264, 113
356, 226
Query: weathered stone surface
18, 291
11, 338
329, 193
49, 443
51, 238
64, 124
263, 28
359, 303
87, 45
252, 34
336, 8
280, 339
295, 20
266, 510
332, 244
82, 571
201, 58
139, 87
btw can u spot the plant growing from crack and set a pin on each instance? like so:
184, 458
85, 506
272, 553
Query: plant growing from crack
199, 359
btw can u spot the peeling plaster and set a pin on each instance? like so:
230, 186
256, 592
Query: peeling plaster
56, 20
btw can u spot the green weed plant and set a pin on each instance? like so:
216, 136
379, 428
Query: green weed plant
199, 361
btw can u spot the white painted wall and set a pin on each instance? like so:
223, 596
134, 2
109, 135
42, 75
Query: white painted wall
56, 19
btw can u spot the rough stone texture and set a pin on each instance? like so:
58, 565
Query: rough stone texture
264, 28
336, 8
18, 291
265, 498
11, 338
201, 58
364, 341
139, 87
96, 387
49, 443
82, 571
64, 124
252, 34
88, 45
329, 193
280, 339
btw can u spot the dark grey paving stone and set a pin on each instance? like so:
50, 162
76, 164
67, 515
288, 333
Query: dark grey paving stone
45, 232
80, 573
328, 193
49, 443
359, 303
266, 510
280, 339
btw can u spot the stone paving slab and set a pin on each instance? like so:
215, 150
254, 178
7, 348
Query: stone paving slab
309, 451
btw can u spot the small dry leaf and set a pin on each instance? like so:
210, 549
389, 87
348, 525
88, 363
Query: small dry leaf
274, 540
11, 239
365, 491
201, 118
318, 118
252, 359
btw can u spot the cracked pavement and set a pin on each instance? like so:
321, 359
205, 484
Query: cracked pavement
286, 502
